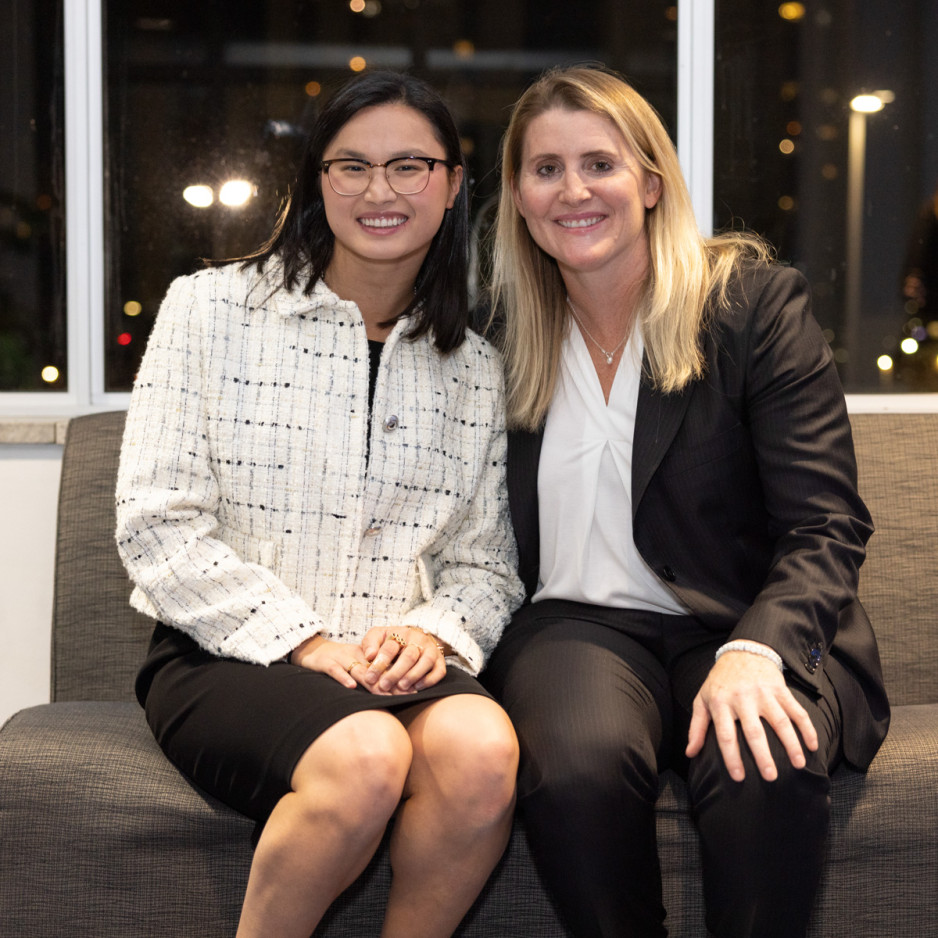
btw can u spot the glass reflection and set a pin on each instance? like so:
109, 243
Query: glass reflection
32, 199
199, 94
848, 202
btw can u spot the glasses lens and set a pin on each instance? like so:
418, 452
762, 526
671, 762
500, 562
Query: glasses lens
348, 177
407, 176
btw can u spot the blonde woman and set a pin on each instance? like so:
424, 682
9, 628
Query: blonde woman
683, 491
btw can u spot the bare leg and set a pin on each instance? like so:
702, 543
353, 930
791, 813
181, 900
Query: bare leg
321, 836
455, 822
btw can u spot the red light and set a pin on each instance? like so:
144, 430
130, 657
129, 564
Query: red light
124, 338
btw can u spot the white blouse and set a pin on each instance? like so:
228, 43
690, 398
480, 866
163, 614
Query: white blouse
585, 488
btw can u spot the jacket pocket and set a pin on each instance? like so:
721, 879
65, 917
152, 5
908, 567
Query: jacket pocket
251, 549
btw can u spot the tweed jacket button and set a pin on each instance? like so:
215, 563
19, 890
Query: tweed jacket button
668, 574
391, 423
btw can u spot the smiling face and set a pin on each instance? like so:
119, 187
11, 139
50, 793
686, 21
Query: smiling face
381, 226
583, 194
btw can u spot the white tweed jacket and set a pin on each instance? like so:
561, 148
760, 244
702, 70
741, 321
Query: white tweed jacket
249, 514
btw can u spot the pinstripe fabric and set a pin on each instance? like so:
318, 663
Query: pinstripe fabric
248, 515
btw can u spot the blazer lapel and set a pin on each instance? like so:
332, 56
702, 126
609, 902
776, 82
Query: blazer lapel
657, 419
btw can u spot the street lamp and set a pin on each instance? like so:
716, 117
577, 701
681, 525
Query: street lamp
861, 107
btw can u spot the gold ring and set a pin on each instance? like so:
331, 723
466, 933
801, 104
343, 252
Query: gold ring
394, 637
349, 667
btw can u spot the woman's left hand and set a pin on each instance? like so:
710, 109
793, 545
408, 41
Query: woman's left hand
403, 660
748, 688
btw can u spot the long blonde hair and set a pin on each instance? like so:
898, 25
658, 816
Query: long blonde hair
685, 268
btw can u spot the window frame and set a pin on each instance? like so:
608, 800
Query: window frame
84, 175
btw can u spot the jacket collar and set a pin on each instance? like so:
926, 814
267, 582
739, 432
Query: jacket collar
267, 288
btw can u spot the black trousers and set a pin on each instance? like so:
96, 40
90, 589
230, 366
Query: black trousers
601, 700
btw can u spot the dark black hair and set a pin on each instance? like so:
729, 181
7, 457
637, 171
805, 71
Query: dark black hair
303, 241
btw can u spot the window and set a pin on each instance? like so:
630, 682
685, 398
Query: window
844, 188
32, 198
208, 103
166, 102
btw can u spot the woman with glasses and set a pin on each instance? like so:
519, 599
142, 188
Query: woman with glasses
683, 491
311, 502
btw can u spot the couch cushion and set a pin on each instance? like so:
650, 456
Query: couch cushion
897, 456
879, 875
103, 838
98, 640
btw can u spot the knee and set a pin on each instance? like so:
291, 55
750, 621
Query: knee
366, 757
592, 768
796, 793
489, 760
473, 751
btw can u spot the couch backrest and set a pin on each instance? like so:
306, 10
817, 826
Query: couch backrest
99, 641
897, 457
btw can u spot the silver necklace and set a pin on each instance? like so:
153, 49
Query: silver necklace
589, 335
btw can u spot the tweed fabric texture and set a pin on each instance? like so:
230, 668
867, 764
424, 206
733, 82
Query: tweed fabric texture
248, 515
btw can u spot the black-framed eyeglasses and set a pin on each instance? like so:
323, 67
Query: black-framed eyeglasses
406, 175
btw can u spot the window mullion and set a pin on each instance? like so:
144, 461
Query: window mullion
84, 176
695, 77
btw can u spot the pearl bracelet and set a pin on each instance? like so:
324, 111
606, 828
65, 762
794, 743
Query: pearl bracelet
754, 648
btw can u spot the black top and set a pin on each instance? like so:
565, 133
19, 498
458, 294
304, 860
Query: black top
374, 359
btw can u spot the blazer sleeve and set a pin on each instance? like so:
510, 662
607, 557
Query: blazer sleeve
796, 414
167, 506
470, 578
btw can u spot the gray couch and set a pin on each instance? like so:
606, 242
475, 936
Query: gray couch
102, 838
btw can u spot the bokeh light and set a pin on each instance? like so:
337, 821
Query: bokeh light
235, 193
199, 196
792, 12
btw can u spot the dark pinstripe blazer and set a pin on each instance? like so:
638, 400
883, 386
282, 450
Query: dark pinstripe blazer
744, 498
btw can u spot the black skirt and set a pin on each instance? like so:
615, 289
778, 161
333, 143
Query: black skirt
238, 730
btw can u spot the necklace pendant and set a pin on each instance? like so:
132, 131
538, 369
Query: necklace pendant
608, 359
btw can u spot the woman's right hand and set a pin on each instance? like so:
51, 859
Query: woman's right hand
343, 662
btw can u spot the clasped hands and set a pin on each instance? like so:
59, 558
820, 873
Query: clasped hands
746, 688
387, 662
